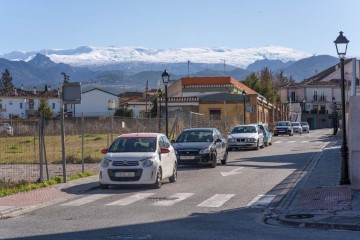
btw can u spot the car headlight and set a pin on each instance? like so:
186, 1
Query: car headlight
231, 139
105, 163
251, 140
147, 162
204, 151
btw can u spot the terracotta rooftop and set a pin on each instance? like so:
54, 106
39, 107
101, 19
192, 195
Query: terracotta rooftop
218, 81
29, 94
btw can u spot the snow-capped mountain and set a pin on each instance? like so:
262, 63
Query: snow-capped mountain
100, 56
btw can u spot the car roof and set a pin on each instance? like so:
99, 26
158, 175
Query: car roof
144, 135
199, 129
241, 125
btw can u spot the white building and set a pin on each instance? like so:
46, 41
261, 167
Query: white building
23, 104
95, 102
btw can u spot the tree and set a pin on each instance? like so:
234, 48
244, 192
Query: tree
124, 112
153, 111
44, 110
6, 81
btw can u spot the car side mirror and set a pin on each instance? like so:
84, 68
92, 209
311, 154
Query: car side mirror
104, 151
218, 140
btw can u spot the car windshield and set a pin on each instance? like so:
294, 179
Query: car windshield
133, 144
295, 124
244, 129
195, 136
282, 124
304, 123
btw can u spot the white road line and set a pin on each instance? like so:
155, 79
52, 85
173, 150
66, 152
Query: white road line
217, 200
131, 199
304, 141
278, 142
173, 199
291, 141
261, 201
86, 200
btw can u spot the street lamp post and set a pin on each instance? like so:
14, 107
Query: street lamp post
165, 78
341, 46
334, 116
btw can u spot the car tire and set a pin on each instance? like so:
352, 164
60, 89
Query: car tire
173, 178
224, 160
266, 144
275, 135
214, 162
229, 149
158, 181
257, 146
104, 186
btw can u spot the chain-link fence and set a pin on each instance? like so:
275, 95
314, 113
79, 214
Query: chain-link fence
34, 151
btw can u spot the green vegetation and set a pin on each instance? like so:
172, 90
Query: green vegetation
9, 188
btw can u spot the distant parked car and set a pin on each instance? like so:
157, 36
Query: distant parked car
203, 146
138, 158
246, 136
305, 127
6, 128
283, 128
296, 127
267, 134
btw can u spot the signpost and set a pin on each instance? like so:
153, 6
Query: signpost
70, 94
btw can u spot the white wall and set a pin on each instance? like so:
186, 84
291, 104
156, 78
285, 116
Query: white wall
95, 103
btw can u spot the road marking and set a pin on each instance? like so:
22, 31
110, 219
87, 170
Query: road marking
131, 199
232, 172
261, 201
86, 200
217, 200
278, 142
177, 197
291, 141
304, 141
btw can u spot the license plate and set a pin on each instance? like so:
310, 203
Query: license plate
187, 157
125, 174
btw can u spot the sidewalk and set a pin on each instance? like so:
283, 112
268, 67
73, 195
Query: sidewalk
318, 201
27, 201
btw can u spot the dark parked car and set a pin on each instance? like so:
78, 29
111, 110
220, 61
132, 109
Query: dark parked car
283, 127
205, 146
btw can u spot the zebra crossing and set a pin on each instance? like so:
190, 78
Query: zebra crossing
215, 201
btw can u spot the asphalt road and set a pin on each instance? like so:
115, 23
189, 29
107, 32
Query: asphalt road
226, 202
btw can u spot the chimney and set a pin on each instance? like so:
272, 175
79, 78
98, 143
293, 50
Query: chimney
34, 90
22, 87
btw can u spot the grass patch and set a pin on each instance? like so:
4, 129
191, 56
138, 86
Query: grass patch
9, 188
98, 138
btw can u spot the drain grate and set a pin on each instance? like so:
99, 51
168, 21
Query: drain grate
156, 199
299, 216
129, 237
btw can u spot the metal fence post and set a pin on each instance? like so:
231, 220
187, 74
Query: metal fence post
82, 143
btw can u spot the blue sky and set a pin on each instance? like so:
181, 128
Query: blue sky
305, 25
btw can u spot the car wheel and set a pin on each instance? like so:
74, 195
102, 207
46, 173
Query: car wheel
214, 162
157, 183
266, 144
224, 160
257, 146
229, 149
104, 186
173, 178
275, 135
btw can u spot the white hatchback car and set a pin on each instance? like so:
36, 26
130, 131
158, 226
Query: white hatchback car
138, 158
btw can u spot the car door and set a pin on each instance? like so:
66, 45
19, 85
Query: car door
167, 159
261, 136
221, 145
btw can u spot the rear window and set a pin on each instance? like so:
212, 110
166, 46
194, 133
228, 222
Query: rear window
282, 124
133, 144
244, 129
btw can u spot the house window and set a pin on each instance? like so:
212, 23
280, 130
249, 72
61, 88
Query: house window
53, 105
31, 104
10, 102
315, 95
215, 114
292, 96
1, 104
21, 105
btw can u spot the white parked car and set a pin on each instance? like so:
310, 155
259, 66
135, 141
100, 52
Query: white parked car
297, 127
246, 136
6, 128
138, 158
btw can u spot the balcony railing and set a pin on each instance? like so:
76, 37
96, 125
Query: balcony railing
319, 98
